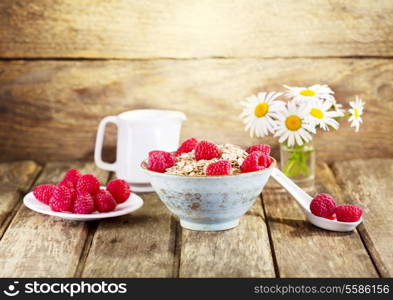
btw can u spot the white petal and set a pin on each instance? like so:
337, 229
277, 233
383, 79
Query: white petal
298, 139
284, 137
333, 123
291, 139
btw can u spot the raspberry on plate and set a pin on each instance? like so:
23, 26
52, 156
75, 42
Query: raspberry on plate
61, 199
187, 146
323, 205
88, 184
119, 189
104, 201
265, 148
84, 204
71, 187
348, 213
44, 192
73, 176
206, 150
159, 161
255, 161
222, 167
66, 183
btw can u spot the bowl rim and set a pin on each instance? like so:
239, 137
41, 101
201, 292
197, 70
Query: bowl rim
143, 165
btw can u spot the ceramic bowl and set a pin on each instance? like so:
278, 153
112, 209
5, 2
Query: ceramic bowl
209, 203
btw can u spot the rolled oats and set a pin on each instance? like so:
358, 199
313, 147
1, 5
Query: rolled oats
186, 165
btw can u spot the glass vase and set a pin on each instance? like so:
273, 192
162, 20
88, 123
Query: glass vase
298, 163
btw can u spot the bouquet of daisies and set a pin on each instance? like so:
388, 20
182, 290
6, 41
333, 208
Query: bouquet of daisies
295, 121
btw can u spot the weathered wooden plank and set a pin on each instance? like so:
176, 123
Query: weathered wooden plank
50, 109
15, 177
243, 251
9, 202
302, 250
141, 244
170, 28
36, 245
368, 183
18, 175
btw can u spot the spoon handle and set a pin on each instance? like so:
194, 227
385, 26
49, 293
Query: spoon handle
300, 196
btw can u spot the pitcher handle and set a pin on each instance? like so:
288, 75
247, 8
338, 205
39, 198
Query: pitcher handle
100, 140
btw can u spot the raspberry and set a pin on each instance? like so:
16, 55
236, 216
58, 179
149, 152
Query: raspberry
70, 186
44, 192
260, 147
104, 201
187, 146
72, 175
61, 199
84, 204
348, 213
159, 161
255, 161
222, 167
66, 183
206, 150
119, 189
88, 184
323, 205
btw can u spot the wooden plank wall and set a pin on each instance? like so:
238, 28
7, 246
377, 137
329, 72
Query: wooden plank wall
66, 64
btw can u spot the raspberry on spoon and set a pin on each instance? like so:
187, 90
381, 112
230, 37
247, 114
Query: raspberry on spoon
348, 213
323, 205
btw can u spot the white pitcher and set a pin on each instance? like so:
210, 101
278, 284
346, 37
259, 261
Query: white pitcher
138, 132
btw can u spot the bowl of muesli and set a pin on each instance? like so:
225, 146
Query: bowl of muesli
208, 186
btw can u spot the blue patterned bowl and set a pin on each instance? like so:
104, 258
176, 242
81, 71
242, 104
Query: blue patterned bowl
209, 203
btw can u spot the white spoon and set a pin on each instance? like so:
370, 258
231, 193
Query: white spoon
304, 201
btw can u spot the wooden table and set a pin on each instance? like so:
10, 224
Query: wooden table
273, 238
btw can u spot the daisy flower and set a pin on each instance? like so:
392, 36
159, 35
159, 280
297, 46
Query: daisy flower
314, 92
293, 125
259, 113
356, 111
319, 114
338, 109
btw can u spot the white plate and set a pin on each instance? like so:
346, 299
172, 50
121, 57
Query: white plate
133, 203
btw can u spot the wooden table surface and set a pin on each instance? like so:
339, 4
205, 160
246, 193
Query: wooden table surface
272, 240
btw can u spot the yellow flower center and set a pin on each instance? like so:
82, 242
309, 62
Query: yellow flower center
261, 109
307, 92
356, 113
316, 113
293, 123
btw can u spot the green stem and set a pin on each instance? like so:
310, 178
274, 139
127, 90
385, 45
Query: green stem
346, 115
297, 163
